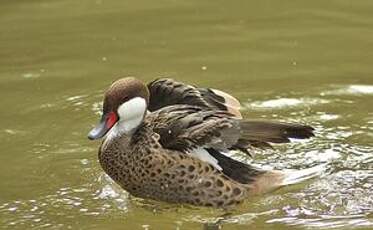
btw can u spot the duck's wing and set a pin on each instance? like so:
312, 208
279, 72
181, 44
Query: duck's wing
208, 134
165, 92
260, 134
185, 128
274, 132
256, 133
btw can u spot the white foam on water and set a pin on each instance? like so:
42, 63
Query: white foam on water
350, 90
363, 89
286, 102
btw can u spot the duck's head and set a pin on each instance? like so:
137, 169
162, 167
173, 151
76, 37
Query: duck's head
125, 105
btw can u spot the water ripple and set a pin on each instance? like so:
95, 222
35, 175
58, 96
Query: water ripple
350, 90
280, 103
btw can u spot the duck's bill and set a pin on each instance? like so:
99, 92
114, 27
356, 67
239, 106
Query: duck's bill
106, 123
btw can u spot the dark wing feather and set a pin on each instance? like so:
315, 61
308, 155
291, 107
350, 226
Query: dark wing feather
274, 132
184, 127
195, 123
165, 92
259, 134
212, 98
234, 169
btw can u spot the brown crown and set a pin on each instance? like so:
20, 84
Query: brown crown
123, 90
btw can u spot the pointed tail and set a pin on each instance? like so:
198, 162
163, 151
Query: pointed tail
274, 179
297, 176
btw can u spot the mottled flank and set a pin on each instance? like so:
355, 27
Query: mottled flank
145, 169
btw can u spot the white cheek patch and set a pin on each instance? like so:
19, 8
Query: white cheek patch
131, 114
132, 109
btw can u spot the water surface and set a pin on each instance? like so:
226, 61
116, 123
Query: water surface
303, 61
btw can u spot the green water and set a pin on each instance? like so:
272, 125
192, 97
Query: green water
305, 61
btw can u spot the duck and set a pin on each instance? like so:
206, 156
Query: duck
170, 141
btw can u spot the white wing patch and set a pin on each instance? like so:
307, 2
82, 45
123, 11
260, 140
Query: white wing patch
205, 156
